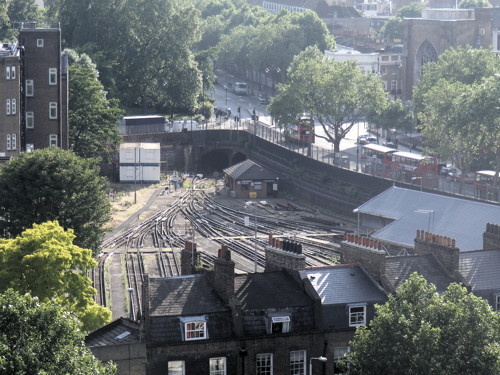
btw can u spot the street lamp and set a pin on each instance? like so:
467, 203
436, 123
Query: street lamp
321, 359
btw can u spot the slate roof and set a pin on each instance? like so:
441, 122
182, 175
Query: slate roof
269, 290
183, 296
249, 170
399, 268
341, 284
461, 219
110, 334
481, 269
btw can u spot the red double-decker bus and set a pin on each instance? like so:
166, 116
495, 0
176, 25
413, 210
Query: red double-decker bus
302, 131
403, 166
485, 187
414, 168
377, 160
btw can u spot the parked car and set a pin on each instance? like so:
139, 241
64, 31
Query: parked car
264, 99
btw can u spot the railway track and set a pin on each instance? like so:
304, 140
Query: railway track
153, 247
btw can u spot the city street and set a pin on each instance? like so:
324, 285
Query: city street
348, 146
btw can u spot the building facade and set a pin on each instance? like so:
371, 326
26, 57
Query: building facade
33, 92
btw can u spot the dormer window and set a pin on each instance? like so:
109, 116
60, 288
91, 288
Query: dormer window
194, 328
357, 315
278, 324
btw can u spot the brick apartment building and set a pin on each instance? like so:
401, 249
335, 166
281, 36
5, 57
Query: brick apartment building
33, 92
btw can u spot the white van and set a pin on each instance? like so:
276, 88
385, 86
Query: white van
241, 88
188, 125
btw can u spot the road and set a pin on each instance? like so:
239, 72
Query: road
348, 146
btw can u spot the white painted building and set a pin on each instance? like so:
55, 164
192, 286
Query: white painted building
140, 163
386, 64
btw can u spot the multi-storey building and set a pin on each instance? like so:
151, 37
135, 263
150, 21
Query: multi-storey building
33, 92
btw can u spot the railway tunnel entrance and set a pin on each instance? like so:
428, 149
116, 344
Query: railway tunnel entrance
218, 160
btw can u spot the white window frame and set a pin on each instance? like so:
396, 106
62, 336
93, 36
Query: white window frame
8, 142
39, 43
496, 301
298, 362
7, 72
279, 324
357, 315
217, 366
52, 140
176, 368
30, 87
264, 364
7, 106
53, 110
194, 328
52, 76
12, 72
13, 106
14, 142
394, 85
30, 120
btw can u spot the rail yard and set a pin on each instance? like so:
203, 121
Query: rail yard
152, 242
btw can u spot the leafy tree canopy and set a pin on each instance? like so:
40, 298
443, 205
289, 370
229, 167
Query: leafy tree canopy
142, 48
93, 119
272, 43
336, 94
471, 4
423, 332
459, 126
44, 262
13, 12
412, 10
393, 115
41, 338
54, 184
392, 29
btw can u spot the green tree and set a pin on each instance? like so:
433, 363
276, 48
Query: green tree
392, 29
142, 48
93, 118
412, 10
419, 331
54, 184
13, 12
471, 4
44, 262
40, 338
394, 115
336, 94
464, 74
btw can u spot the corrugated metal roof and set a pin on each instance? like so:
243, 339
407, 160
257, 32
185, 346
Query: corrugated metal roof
461, 219
249, 170
481, 269
343, 284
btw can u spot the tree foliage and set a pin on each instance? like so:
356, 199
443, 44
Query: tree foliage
471, 4
393, 115
41, 338
412, 10
271, 42
93, 119
423, 332
44, 262
54, 184
463, 124
392, 29
336, 94
13, 12
142, 48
